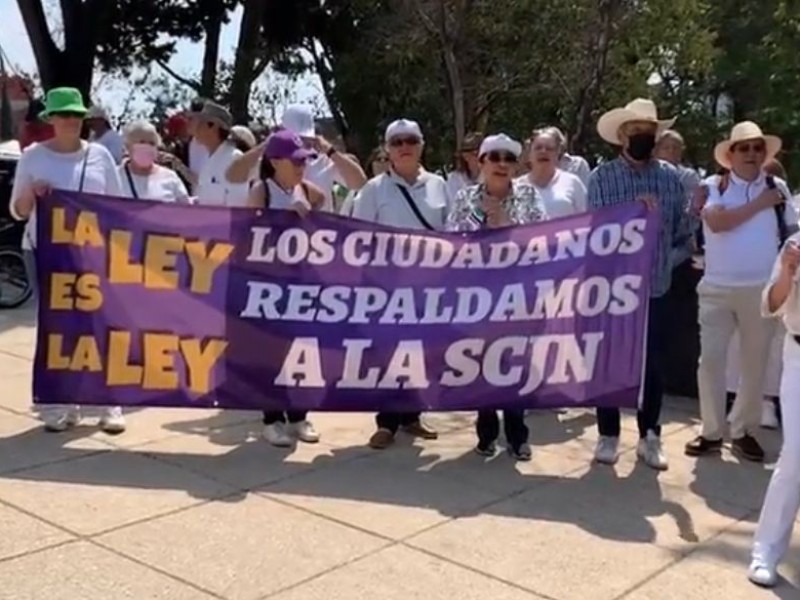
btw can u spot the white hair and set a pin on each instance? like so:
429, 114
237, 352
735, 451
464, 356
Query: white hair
551, 132
671, 134
142, 128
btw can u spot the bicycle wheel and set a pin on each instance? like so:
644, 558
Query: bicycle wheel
15, 289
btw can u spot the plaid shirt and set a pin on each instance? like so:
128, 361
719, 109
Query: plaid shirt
617, 182
522, 205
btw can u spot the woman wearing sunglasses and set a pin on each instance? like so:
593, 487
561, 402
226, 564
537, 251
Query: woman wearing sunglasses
499, 201
281, 186
68, 163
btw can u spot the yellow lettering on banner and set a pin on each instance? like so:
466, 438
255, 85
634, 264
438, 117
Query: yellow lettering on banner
86, 356
61, 291
87, 230
205, 263
56, 361
118, 369
59, 233
160, 258
90, 298
159, 361
200, 361
120, 269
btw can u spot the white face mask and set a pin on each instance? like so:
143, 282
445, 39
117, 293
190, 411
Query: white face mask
144, 155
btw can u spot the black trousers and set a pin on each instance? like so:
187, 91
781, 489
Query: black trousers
394, 420
649, 415
488, 427
278, 416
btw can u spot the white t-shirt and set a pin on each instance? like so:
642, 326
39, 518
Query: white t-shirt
349, 204
160, 185
198, 155
323, 173
213, 188
564, 195
113, 143
381, 201
63, 171
282, 199
743, 256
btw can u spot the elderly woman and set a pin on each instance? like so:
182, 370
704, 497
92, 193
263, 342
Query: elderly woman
281, 186
467, 170
140, 175
498, 201
68, 163
562, 193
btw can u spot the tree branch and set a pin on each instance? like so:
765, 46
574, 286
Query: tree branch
192, 83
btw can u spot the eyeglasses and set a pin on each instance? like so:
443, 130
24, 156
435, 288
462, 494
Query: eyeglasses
757, 147
404, 141
497, 157
67, 115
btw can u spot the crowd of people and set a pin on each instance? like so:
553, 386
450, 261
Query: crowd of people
739, 226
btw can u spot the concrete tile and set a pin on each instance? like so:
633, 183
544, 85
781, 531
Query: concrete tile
100, 492
22, 533
400, 573
16, 394
597, 521
380, 496
692, 579
242, 550
24, 444
238, 456
86, 572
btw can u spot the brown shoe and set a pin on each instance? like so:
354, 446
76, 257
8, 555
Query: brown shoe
700, 446
748, 448
420, 430
381, 439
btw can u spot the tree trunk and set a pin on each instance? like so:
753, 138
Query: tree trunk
213, 28
44, 48
244, 63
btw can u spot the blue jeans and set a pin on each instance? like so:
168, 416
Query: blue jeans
649, 415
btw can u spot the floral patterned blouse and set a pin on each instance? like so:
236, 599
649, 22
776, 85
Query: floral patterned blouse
523, 205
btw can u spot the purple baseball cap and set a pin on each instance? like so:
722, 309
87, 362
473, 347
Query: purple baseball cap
284, 144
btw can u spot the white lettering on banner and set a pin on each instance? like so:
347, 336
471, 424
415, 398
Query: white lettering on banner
406, 368
302, 366
543, 299
293, 246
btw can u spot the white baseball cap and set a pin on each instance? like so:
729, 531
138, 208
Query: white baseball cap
500, 142
299, 119
403, 127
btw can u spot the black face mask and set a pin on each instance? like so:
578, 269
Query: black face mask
641, 146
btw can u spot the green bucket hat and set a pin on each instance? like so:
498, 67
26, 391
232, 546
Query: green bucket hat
63, 99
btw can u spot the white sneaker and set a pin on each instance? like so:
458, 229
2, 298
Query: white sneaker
651, 451
112, 421
762, 574
276, 435
769, 415
58, 419
304, 431
607, 451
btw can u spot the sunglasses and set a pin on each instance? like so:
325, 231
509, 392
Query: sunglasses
757, 147
404, 141
381, 159
497, 157
67, 115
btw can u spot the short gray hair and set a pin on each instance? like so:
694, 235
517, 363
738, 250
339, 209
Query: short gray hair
142, 128
552, 132
671, 134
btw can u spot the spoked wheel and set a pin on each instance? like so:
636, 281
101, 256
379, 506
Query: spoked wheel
15, 289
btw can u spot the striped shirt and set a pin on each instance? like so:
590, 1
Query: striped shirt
617, 182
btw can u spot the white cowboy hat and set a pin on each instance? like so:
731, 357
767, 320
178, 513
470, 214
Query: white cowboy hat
640, 109
742, 132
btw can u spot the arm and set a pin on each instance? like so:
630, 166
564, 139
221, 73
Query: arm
23, 195
316, 198
241, 167
350, 171
255, 198
782, 282
790, 216
720, 219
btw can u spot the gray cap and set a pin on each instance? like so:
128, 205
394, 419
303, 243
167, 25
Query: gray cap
219, 115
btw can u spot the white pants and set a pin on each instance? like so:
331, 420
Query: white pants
722, 311
772, 377
783, 494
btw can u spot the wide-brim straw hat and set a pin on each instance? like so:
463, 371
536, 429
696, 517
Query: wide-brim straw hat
743, 132
639, 110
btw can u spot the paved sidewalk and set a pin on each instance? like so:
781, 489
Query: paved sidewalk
193, 505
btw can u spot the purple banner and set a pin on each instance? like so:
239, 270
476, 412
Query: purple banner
148, 304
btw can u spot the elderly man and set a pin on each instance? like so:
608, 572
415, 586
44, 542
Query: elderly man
636, 176
746, 219
570, 163
406, 196
101, 132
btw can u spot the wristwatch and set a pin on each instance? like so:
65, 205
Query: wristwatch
331, 151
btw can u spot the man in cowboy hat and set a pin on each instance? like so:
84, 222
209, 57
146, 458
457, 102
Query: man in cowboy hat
635, 176
745, 220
